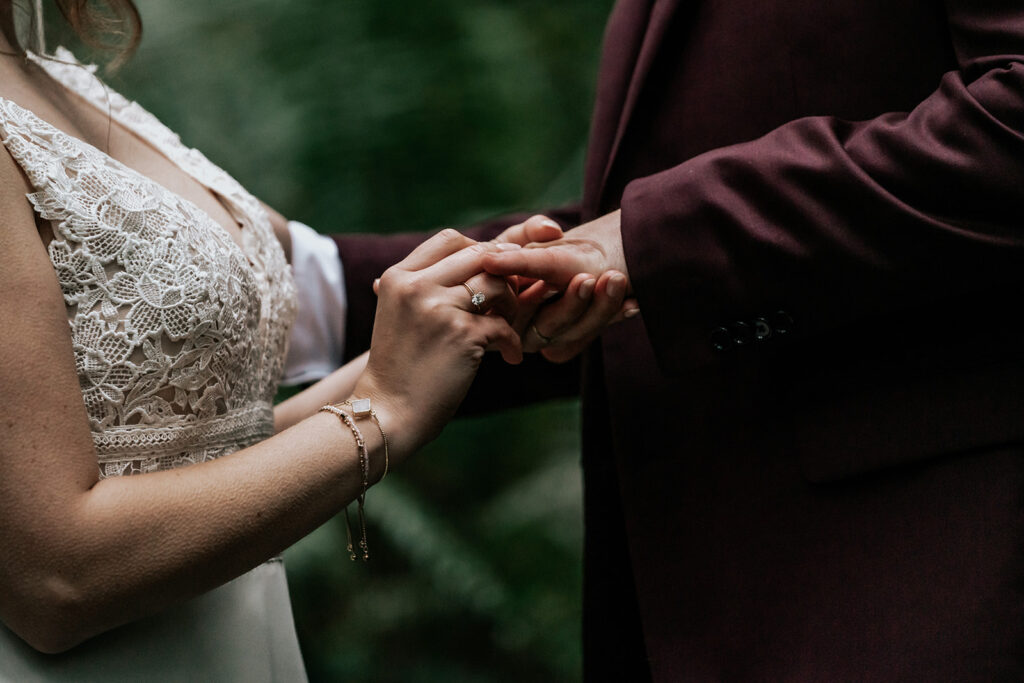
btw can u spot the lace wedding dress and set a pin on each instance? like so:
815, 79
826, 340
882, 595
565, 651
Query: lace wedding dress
179, 339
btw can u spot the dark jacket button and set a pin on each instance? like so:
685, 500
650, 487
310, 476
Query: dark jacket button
721, 339
762, 329
742, 333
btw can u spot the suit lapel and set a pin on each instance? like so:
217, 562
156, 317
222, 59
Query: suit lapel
660, 16
624, 36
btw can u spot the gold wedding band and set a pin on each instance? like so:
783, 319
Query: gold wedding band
540, 335
476, 298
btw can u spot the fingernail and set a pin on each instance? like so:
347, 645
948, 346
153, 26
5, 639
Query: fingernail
550, 293
630, 313
376, 282
548, 223
587, 288
508, 246
616, 286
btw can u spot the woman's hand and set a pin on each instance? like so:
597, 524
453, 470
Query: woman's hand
429, 338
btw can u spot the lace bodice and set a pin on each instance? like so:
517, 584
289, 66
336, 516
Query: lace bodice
179, 335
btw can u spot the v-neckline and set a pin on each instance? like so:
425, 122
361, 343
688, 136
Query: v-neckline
231, 207
120, 165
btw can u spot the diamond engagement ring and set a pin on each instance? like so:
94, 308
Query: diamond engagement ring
476, 298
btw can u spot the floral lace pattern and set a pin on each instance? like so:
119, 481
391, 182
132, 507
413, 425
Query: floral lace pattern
179, 335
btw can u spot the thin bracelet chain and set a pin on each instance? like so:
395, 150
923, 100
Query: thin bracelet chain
373, 414
364, 467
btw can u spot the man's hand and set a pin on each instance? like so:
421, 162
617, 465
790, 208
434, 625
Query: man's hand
593, 247
587, 268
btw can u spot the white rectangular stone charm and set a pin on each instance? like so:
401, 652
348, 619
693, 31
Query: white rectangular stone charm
361, 407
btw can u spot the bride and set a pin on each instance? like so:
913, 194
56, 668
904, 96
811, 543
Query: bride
147, 302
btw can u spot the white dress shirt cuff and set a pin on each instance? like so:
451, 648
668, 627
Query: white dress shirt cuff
318, 336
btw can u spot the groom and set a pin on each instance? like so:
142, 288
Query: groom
803, 461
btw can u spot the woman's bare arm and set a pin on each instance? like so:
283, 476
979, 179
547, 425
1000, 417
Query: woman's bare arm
331, 389
81, 555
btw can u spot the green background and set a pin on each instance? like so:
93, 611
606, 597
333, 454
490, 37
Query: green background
362, 116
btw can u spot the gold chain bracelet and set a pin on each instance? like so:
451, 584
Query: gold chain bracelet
364, 467
361, 408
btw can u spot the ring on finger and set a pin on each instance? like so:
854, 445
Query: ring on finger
476, 298
546, 340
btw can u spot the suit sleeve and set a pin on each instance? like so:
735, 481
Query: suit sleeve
835, 222
498, 385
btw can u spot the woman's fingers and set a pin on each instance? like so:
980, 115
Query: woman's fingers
483, 293
498, 335
463, 264
448, 241
432, 250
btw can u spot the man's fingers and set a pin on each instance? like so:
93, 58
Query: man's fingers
605, 307
607, 302
554, 318
563, 353
630, 309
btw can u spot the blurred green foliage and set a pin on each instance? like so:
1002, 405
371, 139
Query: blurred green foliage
356, 115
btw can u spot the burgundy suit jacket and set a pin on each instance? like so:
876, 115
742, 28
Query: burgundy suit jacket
805, 460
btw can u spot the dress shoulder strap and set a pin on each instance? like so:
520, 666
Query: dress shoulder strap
37, 146
82, 80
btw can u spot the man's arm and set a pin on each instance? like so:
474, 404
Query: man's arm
834, 222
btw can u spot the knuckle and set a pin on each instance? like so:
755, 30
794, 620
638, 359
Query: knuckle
407, 287
460, 327
436, 309
389, 279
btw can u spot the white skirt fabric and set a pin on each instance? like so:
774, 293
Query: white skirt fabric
242, 631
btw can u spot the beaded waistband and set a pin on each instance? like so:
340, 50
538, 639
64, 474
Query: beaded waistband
238, 428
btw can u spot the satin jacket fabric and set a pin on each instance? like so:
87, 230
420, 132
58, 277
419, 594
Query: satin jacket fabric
804, 460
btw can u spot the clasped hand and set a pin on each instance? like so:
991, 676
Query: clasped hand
568, 289
538, 290
570, 286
